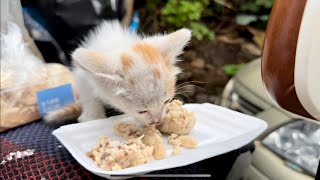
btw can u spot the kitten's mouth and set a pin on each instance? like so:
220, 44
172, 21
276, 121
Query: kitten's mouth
150, 123
155, 123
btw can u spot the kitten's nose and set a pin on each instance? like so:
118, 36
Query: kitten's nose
157, 121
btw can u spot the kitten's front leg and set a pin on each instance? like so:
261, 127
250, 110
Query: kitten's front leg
91, 110
91, 107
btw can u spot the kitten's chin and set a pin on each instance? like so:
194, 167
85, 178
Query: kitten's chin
143, 121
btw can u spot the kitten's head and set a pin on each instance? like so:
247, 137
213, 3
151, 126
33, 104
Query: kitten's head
139, 81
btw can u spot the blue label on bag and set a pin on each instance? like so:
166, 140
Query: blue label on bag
54, 98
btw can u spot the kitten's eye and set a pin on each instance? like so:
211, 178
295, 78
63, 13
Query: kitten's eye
143, 112
167, 101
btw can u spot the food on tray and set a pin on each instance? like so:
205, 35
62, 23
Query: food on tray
143, 143
159, 151
183, 140
127, 130
151, 137
178, 120
115, 155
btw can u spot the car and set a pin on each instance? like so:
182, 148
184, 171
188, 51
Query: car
289, 148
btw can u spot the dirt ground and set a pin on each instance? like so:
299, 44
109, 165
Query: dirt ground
203, 78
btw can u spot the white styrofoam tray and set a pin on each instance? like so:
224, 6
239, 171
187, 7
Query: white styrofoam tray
218, 130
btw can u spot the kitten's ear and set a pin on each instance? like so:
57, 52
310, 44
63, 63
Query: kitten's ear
171, 45
96, 62
90, 60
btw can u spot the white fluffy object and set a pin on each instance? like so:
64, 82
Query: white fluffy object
18, 63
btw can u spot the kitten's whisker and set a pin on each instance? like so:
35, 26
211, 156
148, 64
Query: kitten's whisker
187, 97
192, 85
191, 82
185, 86
184, 83
184, 94
178, 85
187, 91
179, 99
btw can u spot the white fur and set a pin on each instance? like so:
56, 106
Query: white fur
110, 36
103, 81
171, 45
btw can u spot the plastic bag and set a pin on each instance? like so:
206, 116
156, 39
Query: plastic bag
22, 76
11, 11
18, 64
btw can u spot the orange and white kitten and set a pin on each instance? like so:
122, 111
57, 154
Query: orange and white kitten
134, 74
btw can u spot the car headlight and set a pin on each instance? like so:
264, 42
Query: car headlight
298, 143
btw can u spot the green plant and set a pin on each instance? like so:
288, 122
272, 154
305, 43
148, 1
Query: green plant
232, 69
187, 13
256, 5
201, 32
254, 11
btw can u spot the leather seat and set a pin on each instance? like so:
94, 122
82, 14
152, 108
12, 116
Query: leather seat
291, 57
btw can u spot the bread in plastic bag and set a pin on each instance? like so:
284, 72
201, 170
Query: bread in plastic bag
22, 75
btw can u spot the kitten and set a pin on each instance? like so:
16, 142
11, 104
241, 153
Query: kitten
132, 73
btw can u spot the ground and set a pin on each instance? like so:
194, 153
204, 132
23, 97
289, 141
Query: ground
203, 78
203, 64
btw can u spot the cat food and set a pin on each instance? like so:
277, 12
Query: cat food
113, 155
178, 120
183, 140
127, 130
142, 144
151, 137
159, 151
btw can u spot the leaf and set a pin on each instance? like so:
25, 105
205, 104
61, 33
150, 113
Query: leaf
187, 13
245, 19
264, 17
232, 69
264, 3
211, 35
250, 6
201, 31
